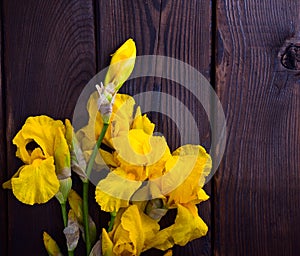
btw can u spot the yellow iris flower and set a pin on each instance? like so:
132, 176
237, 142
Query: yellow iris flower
138, 157
132, 230
135, 232
42, 146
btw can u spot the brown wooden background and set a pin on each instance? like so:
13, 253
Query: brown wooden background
51, 49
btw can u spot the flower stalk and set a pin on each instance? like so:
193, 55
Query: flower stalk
86, 189
112, 220
64, 213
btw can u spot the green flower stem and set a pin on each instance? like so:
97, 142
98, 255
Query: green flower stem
65, 219
64, 213
112, 220
86, 189
86, 217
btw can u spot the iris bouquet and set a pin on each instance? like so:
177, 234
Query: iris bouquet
143, 178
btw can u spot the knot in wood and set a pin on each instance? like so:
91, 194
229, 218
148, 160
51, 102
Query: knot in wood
291, 57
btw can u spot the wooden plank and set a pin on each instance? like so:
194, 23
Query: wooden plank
119, 20
180, 29
257, 193
185, 34
3, 172
49, 57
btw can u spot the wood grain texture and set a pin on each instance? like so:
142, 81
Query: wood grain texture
3, 173
179, 29
257, 193
49, 57
185, 34
119, 20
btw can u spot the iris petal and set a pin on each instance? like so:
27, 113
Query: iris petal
140, 154
187, 227
186, 186
115, 190
40, 129
36, 183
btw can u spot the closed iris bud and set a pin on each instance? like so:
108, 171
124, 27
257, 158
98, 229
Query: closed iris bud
121, 65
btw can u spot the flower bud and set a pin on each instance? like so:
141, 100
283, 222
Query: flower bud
51, 246
64, 189
78, 162
121, 65
72, 231
75, 202
62, 158
107, 244
120, 68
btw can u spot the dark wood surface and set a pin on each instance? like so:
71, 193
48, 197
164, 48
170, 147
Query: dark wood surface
51, 49
49, 57
3, 172
257, 196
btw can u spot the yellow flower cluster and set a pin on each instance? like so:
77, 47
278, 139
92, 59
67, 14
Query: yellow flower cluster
136, 155
144, 181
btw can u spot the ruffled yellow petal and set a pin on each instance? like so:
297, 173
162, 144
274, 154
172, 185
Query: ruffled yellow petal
132, 229
163, 240
185, 175
40, 129
142, 122
21, 143
50, 245
115, 190
109, 203
187, 227
36, 183
203, 159
129, 235
37, 153
121, 65
141, 154
150, 227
